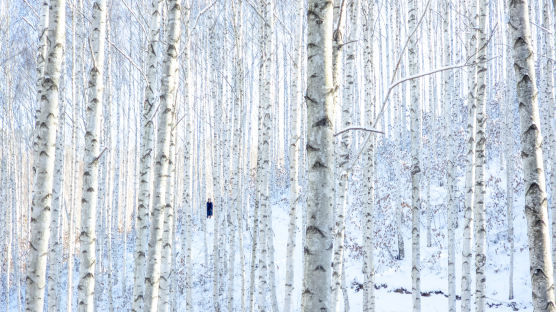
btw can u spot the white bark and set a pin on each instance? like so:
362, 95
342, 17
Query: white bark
448, 110
467, 255
480, 187
548, 104
415, 126
168, 88
166, 271
320, 157
87, 236
43, 169
342, 147
294, 152
145, 170
266, 91
55, 253
531, 154
368, 201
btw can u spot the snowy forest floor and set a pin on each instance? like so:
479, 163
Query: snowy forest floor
392, 279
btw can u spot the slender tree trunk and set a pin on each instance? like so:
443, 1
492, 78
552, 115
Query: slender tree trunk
147, 136
370, 85
531, 141
168, 88
480, 187
87, 236
467, 255
415, 126
548, 103
55, 253
295, 137
341, 149
167, 242
320, 158
43, 169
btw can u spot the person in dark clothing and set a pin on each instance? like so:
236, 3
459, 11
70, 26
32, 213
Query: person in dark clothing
209, 208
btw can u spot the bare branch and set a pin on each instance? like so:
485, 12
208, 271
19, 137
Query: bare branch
358, 128
129, 59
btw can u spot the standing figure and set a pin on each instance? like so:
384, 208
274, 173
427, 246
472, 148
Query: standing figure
209, 208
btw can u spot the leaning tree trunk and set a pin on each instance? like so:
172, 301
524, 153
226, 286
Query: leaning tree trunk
415, 126
43, 169
145, 169
320, 157
531, 154
168, 88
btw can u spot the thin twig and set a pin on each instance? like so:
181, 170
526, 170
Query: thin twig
358, 128
129, 59
201, 13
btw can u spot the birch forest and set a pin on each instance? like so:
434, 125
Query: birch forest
277, 155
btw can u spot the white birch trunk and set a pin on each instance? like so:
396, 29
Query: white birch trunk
55, 252
320, 157
467, 254
87, 236
480, 186
415, 126
167, 235
43, 169
168, 89
341, 149
368, 180
146, 148
548, 105
294, 151
531, 141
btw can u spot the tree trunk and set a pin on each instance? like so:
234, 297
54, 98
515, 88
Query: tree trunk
87, 236
168, 88
55, 253
467, 255
480, 186
320, 157
294, 150
415, 126
341, 149
43, 169
145, 169
367, 9
531, 154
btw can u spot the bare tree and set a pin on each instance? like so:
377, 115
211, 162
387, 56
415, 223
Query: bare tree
44, 147
320, 157
531, 154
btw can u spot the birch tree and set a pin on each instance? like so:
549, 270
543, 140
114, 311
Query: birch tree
43, 169
480, 187
147, 134
168, 89
467, 255
341, 153
367, 9
531, 154
294, 151
87, 236
415, 126
320, 157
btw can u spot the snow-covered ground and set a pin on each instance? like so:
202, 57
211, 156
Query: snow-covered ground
393, 277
